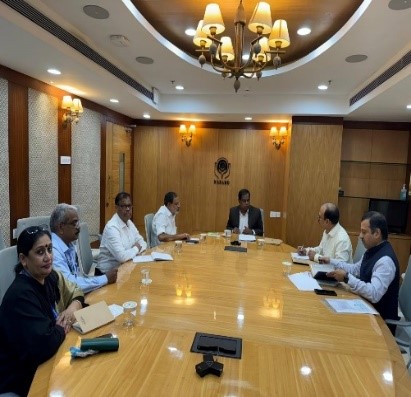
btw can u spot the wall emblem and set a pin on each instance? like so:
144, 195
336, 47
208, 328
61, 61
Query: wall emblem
222, 171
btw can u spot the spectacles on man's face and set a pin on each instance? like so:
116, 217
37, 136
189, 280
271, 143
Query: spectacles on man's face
73, 223
125, 206
37, 229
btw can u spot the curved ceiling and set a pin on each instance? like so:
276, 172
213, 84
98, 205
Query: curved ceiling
380, 30
325, 18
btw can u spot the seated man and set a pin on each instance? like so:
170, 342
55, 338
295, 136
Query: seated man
335, 242
376, 277
164, 221
121, 241
245, 218
65, 228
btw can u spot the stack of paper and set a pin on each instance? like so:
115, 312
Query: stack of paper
304, 282
246, 237
301, 259
350, 306
155, 256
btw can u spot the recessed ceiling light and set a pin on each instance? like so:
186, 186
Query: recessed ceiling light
114, 100
356, 58
53, 71
145, 60
179, 87
96, 12
146, 116
304, 31
248, 118
409, 106
190, 32
398, 5
323, 87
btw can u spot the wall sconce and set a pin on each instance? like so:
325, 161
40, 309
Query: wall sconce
73, 109
278, 134
187, 136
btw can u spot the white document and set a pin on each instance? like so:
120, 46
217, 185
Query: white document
155, 256
116, 310
304, 282
246, 237
143, 259
301, 259
350, 306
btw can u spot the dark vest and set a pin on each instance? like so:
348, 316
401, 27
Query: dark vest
387, 306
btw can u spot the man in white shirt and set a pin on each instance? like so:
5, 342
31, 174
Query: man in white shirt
65, 228
121, 241
335, 242
164, 221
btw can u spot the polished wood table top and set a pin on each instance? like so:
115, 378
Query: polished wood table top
293, 344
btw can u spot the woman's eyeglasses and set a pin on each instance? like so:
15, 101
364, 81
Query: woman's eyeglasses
37, 229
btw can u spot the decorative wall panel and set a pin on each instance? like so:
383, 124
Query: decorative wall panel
43, 154
86, 168
4, 164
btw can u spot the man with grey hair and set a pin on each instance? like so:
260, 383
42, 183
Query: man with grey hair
65, 228
335, 242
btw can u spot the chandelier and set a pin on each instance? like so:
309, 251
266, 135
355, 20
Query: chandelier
228, 60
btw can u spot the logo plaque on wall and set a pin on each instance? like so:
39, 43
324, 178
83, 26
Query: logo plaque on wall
222, 171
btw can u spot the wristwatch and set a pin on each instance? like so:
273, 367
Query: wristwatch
346, 278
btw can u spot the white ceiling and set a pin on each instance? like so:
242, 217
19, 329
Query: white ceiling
375, 30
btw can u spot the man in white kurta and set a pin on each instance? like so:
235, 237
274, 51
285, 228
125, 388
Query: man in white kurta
121, 241
335, 242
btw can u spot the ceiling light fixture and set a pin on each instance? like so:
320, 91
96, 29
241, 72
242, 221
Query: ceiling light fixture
179, 87
114, 100
190, 32
304, 31
54, 71
146, 116
225, 58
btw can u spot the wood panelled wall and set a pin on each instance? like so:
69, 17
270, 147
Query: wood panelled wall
313, 178
19, 194
164, 163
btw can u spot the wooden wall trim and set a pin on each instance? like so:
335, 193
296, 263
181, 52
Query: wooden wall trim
315, 120
27, 81
18, 153
103, 171
377, 125
207, 124
64, 149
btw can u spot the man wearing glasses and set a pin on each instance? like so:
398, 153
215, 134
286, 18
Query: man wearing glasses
335, 242
65, 229
164, 221
121, 241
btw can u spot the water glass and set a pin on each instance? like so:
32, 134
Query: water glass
178, 246
128, 309
287, 268
260, 243
145, 275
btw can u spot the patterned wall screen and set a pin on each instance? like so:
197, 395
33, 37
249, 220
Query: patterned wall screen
43, 152
4, 164
86, 168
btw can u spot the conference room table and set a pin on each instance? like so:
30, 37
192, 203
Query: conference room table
293, 344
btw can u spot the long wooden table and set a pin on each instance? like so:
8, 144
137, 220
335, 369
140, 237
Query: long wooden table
293, 344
